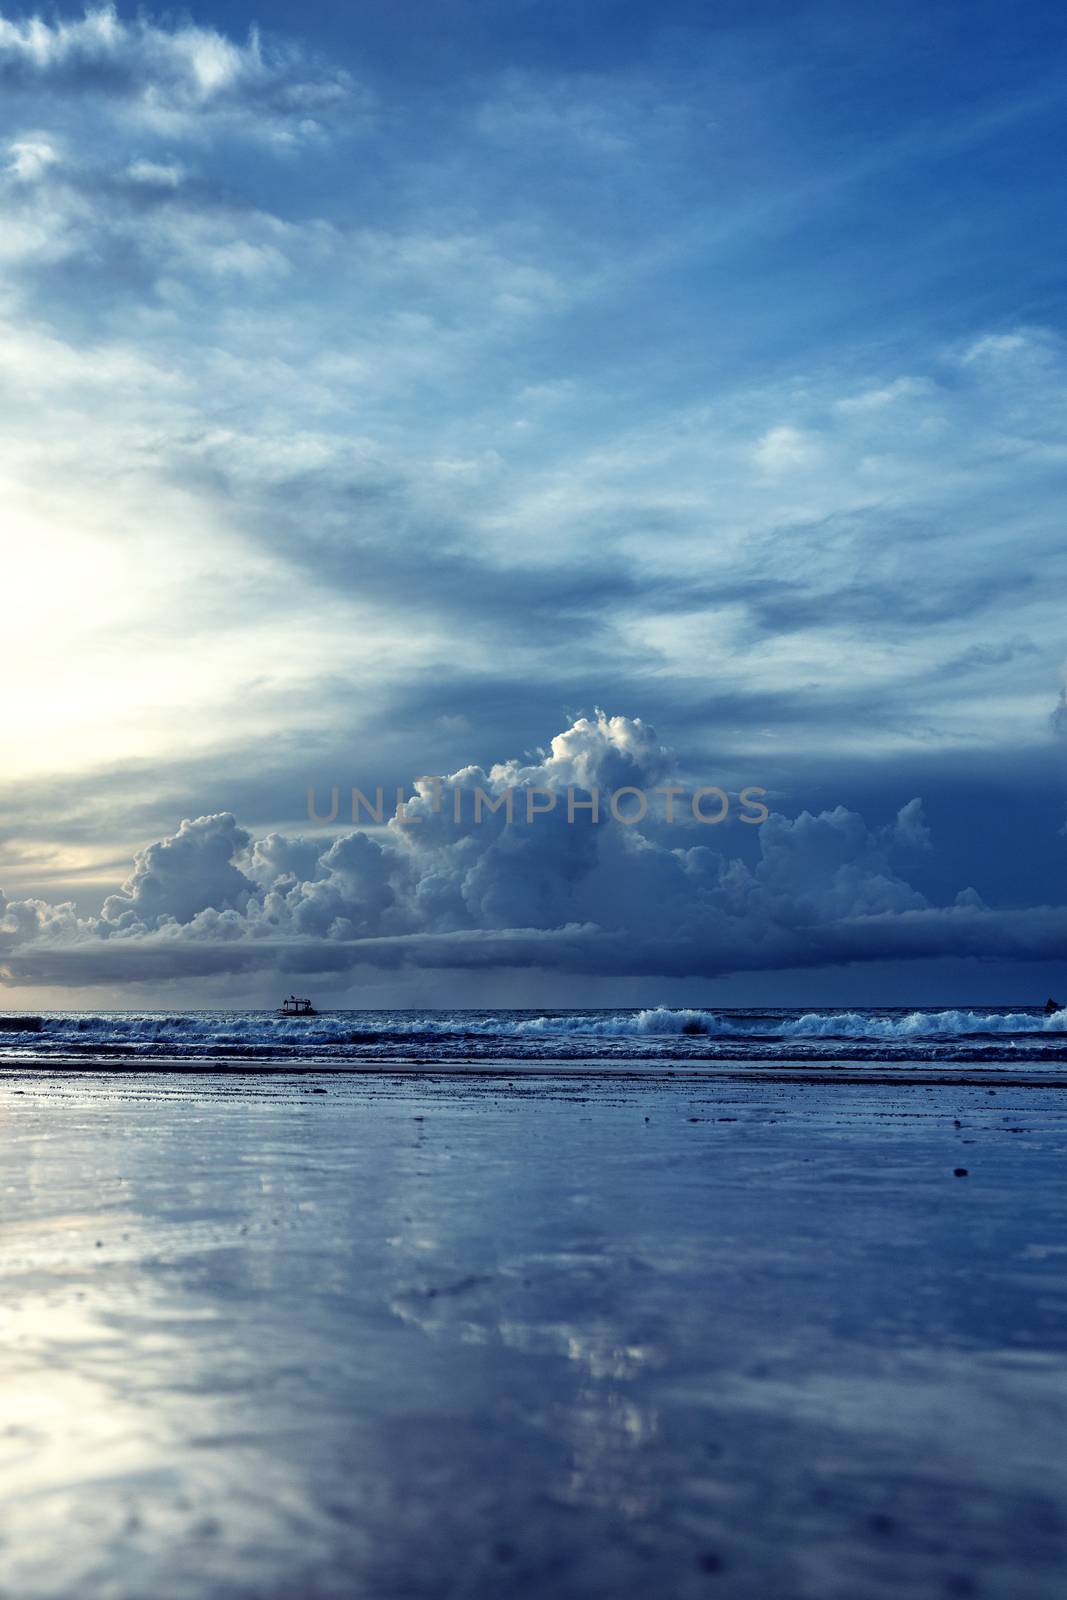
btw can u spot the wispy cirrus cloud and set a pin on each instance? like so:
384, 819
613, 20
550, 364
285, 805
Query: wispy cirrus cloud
185, 81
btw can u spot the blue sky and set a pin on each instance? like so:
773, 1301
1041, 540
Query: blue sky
384, 390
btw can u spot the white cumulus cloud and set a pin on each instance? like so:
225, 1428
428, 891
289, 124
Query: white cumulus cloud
557, 893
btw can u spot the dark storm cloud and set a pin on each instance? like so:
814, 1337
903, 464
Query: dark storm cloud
825, 889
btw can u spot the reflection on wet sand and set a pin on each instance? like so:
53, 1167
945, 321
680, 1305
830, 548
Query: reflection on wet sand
410, 1339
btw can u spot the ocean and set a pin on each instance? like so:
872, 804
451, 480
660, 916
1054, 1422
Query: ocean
597, 1305
613, 1039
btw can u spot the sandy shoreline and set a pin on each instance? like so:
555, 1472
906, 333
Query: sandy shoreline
571, 1334
996, 1073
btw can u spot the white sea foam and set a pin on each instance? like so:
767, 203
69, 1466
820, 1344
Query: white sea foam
262, 1030
811, 1025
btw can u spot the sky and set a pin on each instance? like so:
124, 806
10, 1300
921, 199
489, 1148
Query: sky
545, 395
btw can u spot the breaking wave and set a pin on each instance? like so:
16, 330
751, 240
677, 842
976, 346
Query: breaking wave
348, 1032
921, 1024
810, 1025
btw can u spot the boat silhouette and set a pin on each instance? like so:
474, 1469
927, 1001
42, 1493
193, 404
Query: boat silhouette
294, 1007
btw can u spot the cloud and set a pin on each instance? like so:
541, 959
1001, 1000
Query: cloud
910, 827
551, 389
179, 80
784, 448
191, 872
586, 118
433, 892
30, 158
876, 399
1058, 716
156, 174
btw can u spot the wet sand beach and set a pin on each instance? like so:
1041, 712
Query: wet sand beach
786, 1335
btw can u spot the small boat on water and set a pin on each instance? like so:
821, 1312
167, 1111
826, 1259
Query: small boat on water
294, 1007
1052, 1006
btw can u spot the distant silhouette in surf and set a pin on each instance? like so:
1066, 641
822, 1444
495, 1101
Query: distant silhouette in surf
294, 1007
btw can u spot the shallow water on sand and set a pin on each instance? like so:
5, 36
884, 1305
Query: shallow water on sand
395, 1336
